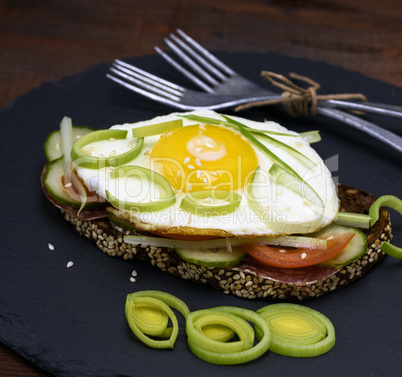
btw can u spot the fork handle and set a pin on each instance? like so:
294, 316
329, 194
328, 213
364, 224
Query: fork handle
372, 107
371, 129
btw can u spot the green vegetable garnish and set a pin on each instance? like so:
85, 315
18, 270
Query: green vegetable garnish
140, 172
395, 203
97, 162
300, 187
227, 353
358, 220
148, 312
298, 331
157, 128
286, 241
210, 202
223, 335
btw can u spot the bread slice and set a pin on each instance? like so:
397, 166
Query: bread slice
249, 279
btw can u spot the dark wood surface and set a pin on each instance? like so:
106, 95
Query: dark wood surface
43, 40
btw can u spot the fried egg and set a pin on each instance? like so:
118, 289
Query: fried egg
202, 157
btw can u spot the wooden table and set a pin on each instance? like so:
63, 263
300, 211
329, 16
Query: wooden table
44, 40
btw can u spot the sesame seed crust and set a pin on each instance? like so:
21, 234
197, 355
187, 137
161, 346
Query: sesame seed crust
245, 283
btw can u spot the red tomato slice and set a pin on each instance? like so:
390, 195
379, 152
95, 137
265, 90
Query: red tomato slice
286, 257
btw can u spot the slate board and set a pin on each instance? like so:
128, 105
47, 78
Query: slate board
70, 321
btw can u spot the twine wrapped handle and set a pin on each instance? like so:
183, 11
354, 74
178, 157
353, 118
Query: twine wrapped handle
295, 99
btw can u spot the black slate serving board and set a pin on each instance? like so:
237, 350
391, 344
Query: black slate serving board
70, 321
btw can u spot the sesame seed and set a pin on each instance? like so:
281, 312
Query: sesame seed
134, 273
51, 247
282, 250
133, 280
205, 180
330, 238
303, 256
214, 173
198, 162
199, 172
67, 185
199, 149
69, 264
178, 174
187, 160
190, 166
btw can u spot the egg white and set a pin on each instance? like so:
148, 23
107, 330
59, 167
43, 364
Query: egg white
284, 204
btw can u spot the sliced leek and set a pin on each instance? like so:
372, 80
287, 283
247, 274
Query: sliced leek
66, 136
97, 162
357, 220
211, 202
157, 128
148, 314
218, 122
395, 203
311, 136
138, 171
218, 352
390, 201
244, 130
300, 187
297, 331
286, 241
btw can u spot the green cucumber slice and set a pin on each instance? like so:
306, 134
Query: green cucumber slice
53, 182
353, 250
52, 144
218, 257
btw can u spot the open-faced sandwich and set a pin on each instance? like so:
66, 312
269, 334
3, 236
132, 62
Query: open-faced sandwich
246, 207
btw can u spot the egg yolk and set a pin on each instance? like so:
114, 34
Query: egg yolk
204, 157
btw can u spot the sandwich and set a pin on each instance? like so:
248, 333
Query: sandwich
246, 207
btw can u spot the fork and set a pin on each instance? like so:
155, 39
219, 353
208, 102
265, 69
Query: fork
224, 88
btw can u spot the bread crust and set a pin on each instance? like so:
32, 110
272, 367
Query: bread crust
248, 279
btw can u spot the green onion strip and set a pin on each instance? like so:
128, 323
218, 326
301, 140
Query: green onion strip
128, 171
395, 203
66, 136
94, 162
285, 241
297, 185
157, 128
206, 203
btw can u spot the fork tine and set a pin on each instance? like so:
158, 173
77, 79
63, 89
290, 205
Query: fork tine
139, 82
142, 84
184, 71
199, 58
206, 53
191, 62
148, 77
152, 96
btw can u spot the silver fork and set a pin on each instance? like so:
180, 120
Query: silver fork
224, 88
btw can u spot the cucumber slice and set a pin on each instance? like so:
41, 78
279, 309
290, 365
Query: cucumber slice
53, 182
353, 250
218, 257
52, 145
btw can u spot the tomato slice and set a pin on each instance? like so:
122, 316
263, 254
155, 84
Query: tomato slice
286, 257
